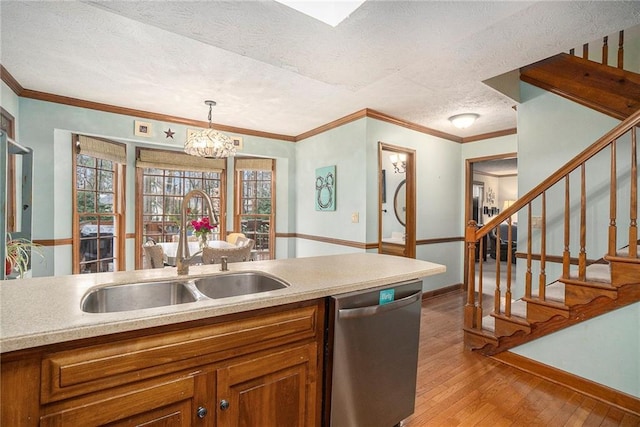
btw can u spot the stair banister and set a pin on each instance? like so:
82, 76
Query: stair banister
473, 308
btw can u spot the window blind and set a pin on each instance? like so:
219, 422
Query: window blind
173, 160
101, 148
254, 164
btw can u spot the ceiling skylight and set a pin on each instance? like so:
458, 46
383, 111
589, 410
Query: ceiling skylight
330, 12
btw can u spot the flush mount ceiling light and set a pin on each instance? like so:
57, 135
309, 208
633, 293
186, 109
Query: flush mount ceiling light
462, 121
209, 142
399, 162
330, 12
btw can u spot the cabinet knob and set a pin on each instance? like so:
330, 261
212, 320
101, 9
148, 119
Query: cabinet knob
224, 405
202, 412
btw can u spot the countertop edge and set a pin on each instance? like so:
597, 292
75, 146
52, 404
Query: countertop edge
299, 291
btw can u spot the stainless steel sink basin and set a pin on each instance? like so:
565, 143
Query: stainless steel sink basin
136, 296
235, 284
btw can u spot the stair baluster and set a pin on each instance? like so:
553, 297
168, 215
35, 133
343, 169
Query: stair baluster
633, 226
566, 253
621, 50
583, 294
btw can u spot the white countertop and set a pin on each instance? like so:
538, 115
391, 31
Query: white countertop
41, 311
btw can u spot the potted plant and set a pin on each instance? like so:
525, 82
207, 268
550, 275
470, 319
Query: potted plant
17, 254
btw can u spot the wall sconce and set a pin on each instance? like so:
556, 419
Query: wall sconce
399, 162
462, 121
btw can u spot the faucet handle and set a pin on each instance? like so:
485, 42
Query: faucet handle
223, 263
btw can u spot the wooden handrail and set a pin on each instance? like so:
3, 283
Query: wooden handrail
554, 178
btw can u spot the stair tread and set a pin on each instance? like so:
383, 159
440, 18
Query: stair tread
624, 252
600, 273
553, 292
489, 323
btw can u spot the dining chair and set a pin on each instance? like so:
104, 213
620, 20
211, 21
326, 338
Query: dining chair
154, 256
234, 254
231, 237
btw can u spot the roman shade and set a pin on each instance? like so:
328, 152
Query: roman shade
254, 164
101, 148
174, 160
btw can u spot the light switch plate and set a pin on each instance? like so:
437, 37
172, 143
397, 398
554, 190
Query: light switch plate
355, 217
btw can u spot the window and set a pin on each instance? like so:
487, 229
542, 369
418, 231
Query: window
255, 211
98, 197
7, 125
164, 178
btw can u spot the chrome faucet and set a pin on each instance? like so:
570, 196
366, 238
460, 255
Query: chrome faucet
223, 263
183, 258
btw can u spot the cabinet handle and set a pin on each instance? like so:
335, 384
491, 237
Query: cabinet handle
202, 412
224, 405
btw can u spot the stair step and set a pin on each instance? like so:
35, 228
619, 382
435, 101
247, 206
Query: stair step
597, 273
489, 323
553, 292
519, 308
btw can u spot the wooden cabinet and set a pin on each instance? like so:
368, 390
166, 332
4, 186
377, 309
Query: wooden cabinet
253, 369
269, 391
161, 404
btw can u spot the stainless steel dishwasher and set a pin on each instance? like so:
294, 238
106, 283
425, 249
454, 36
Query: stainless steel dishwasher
373, 341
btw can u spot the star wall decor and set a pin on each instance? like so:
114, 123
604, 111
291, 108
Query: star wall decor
169, 133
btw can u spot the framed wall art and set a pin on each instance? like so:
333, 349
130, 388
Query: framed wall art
142, 128
237, 141
325, 195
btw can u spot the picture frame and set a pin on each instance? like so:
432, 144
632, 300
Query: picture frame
325, 188
237, 141
142, 128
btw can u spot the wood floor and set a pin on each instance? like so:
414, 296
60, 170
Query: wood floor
457, 387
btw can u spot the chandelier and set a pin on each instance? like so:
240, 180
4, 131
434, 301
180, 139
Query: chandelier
209, 142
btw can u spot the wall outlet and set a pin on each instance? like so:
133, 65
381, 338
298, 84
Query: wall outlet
355, 217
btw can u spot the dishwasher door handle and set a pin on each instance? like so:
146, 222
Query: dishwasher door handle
349, 313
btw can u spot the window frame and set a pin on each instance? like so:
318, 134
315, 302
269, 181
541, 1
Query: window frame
178, 166
238, 200
11, 208
119, 193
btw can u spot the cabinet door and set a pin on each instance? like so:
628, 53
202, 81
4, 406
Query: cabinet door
164, 405
274, 390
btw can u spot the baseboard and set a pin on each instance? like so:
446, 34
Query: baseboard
441, 291
581, 385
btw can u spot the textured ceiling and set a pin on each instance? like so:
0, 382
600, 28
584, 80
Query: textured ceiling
273, 69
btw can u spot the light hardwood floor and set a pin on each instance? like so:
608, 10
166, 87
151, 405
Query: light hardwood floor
457, 387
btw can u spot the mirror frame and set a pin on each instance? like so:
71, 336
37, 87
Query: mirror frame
395, 203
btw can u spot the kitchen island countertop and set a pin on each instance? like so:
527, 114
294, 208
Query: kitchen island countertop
41, 311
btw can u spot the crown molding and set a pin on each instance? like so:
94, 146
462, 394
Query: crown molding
489, 135
367, 112
10, 81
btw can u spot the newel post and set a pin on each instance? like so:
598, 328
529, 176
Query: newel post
470, 306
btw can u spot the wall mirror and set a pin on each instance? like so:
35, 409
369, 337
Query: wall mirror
400, 202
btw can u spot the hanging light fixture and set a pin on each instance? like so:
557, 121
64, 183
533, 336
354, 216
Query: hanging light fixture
209, 142
462, 121
399, 162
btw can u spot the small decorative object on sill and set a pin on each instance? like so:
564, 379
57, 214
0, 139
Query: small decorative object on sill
201, 228
18, 253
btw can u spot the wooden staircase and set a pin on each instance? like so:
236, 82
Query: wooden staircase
586, 288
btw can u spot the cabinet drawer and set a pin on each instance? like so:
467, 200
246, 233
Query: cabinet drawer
73, 372
163, 404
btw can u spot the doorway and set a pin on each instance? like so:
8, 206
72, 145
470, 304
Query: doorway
490, 182
396, 201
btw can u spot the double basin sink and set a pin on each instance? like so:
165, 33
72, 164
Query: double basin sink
136, 296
